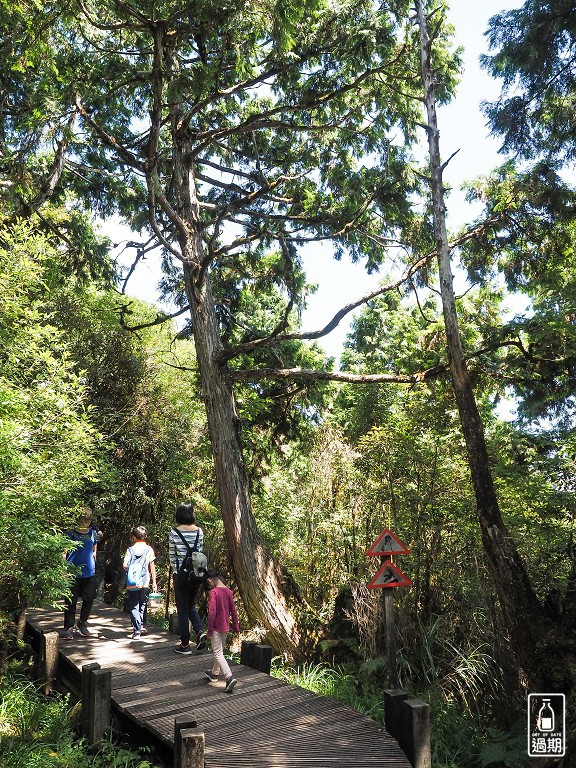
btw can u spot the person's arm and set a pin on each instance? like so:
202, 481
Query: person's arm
95, 544
153, 575
211, 612
126, 559
234, 614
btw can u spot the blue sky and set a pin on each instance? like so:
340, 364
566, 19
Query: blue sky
462, 127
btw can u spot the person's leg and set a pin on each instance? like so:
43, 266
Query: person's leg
219, 663
142, 600
134, 608
70, 602
145, 612
181, 600
88, 594
193, 614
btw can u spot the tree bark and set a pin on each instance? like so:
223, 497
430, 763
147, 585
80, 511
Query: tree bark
522, 612
259, 578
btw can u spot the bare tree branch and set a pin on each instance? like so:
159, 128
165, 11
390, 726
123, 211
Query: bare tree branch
109, 140
161, 317
49, 184
249, 346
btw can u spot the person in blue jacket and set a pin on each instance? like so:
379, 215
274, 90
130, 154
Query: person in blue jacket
84, 585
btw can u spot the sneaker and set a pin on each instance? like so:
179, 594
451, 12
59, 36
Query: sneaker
202, 640
209, 674
230, 683
82, 627
144, 631
68, 634
185, 650
135, 636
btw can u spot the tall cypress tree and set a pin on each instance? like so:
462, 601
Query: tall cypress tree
235, 133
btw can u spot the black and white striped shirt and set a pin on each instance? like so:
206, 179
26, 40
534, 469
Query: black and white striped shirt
177, 549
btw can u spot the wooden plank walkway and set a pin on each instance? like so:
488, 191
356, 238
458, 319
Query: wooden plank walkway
265, 723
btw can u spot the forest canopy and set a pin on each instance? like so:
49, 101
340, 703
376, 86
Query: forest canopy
230, 137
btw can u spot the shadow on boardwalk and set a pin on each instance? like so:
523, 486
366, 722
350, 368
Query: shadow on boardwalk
265, 723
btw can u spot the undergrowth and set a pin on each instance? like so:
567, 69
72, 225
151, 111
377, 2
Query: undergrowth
458, 738
36, 732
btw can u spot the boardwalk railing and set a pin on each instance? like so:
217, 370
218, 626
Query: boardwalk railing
266, 723
408, 721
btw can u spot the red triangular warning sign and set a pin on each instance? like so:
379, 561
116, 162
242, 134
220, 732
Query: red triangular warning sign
388, 544
389, 576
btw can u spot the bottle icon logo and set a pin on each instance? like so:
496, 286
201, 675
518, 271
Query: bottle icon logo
546, 717
546, 724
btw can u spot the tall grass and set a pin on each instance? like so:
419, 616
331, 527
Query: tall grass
337, 684
457, 736
35, 732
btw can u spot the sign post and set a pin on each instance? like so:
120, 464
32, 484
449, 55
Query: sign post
390, 639
389, 575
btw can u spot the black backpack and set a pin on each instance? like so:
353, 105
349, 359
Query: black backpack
194, 564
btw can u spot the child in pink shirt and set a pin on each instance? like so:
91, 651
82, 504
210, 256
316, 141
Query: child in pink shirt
221, 609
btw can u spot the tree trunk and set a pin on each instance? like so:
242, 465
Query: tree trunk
259, 578
522, 612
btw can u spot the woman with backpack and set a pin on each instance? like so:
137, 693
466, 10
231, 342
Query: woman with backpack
186, 536
140, 571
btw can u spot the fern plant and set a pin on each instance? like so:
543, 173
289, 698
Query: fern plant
506, 750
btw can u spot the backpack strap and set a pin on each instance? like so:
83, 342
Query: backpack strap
134, 556
188, 548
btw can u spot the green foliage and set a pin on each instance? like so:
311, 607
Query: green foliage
534, 59
32, 571
314, 677
48, 444
530, 239
506, 749
456, 736
532, 247
148, 411
36, 731
435, 657
89, 413
298, 121
339, 684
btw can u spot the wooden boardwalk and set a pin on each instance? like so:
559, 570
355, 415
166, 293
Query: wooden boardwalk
264, 723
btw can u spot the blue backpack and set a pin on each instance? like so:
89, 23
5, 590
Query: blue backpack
137, 573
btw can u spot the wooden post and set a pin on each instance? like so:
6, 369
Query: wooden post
247, 652
391, 638
189, 745
48, 671
417, 733
262, 658
100, 705
173, 623
86, 670
21, 625
393, 712
181, 722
